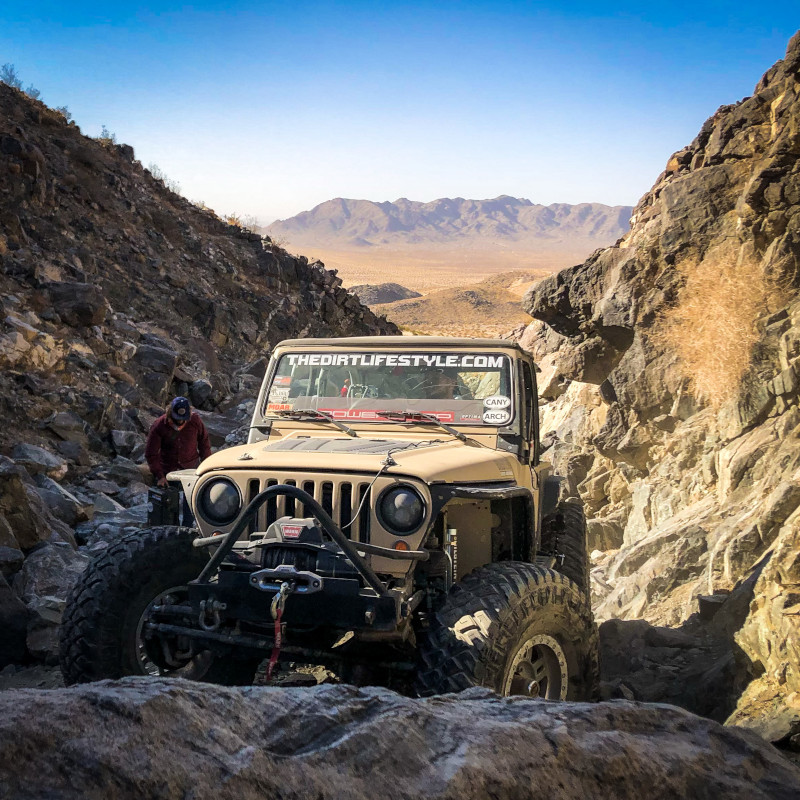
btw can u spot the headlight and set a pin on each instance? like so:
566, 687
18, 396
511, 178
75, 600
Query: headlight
219, 501
401, 510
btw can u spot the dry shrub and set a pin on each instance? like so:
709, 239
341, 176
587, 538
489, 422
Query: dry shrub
712, 328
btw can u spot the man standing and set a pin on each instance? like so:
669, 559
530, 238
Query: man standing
177, 440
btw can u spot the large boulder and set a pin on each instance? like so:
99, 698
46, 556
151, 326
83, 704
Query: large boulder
43, 584
78, 304
175, 739
26, 515
37, 460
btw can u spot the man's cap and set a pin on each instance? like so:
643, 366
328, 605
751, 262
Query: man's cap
180, 409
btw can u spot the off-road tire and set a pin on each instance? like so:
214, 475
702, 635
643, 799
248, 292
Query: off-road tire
489, 616
98, 637
564, 536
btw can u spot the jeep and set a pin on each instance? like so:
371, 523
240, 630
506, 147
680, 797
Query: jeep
389, 519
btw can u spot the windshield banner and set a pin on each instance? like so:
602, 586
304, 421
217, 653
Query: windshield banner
394, 360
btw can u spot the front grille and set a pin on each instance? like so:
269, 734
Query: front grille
341, 499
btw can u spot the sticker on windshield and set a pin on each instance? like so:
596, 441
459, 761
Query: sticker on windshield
496, 401
279, 394
437, 361
496, 417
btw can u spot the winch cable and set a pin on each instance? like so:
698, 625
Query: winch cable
385, 464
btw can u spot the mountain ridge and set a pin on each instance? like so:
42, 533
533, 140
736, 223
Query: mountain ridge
365, 223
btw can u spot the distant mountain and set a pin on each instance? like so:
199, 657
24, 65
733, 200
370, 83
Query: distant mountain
347, 223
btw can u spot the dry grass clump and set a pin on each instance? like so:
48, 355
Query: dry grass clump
713, 326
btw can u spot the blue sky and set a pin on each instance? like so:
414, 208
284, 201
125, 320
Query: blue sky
267, 109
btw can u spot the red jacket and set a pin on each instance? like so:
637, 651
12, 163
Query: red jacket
168, 449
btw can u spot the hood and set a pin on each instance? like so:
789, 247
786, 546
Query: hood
429, 460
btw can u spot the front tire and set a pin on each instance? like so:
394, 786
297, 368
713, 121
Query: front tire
564, 537
516, 628
102, 631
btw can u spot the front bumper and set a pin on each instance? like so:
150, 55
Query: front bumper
339, 603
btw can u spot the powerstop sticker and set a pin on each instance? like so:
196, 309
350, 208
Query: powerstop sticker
496, 417
497, 401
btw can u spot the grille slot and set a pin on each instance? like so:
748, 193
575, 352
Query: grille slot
252, 491
288, 502
364, 515
308, 487
346, 508
326, 500
272, 504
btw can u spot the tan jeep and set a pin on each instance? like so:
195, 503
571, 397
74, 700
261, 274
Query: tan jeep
389, 518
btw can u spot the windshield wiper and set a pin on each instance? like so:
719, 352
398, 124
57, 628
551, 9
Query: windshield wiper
300, 412
419, 416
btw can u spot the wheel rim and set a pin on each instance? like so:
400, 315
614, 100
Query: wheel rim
538, 669
197, 664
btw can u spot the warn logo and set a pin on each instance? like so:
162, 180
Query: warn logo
291, 531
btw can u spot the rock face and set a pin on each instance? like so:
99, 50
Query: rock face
115, 295
382, 293
694, 497
174, 739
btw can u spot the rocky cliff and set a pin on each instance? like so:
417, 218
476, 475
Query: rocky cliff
670, 366
116, 294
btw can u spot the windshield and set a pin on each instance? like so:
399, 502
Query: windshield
461, 388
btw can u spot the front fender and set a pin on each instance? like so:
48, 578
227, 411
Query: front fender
187, 479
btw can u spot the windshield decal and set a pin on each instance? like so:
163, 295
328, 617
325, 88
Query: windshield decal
392, 360
499, 417
497, 401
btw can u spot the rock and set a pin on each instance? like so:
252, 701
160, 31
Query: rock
13, 623
122, 471
59, 505
11, 560
13, 346
75, 453
256, 369
69, 427
156, 359
382, 293
124, 442
106, 487
46, 578
338, 741
23, 509
604, 534
219, 426
103, 504
770, 642
38, 460
78, 304
199, 393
